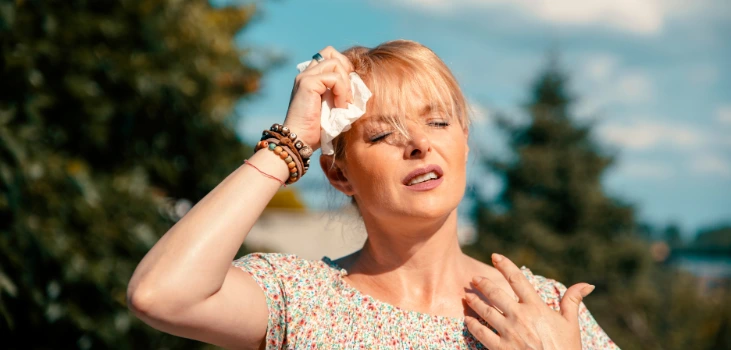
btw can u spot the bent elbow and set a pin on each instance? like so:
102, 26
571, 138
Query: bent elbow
140, 302
150, 304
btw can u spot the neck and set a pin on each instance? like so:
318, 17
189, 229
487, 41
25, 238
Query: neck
419, 261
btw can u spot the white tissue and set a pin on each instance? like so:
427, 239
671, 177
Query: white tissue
334, 121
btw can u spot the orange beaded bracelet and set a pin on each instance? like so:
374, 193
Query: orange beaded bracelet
283, 153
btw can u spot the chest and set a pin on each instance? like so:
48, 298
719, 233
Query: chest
355, 321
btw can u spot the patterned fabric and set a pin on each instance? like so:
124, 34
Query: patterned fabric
311, 306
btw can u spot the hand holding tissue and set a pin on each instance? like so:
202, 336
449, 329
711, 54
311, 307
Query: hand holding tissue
334, 121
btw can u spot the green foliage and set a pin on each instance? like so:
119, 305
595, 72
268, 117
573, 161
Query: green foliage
714, 239
554, 217
114, 117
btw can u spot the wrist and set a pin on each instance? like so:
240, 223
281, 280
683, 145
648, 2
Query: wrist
309, 138
268, 161
287, 144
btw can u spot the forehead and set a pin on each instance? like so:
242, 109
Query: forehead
403, 100
405, 89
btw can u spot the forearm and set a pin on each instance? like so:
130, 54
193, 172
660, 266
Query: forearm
191, 260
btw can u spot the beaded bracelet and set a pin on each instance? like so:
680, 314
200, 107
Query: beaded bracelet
295, 170
287, 142
304, 150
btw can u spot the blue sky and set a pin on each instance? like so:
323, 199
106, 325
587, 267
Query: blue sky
654, 76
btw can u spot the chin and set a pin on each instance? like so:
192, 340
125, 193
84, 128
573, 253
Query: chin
432, 207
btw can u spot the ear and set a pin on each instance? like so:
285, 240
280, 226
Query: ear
335, 174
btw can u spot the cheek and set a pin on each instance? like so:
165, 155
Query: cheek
370, 166
454, 148
371, 171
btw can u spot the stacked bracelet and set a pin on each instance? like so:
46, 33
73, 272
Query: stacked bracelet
295, 153
284, 154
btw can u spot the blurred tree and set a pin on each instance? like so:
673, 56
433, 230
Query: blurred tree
671, 235
554, 217
717, 239
114, 119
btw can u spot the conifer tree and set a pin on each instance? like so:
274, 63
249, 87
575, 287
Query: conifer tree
554, 217
115, 116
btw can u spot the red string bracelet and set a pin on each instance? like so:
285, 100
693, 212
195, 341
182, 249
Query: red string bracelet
246, 161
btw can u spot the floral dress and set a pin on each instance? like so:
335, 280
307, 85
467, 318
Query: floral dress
311, 306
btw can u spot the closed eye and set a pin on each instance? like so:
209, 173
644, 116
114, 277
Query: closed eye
379, 137
439, 124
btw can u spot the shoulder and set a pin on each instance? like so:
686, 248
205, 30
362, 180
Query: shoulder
287, 267
279, 261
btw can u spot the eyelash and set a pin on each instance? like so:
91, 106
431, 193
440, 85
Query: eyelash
379, 137
440, 124
437, 124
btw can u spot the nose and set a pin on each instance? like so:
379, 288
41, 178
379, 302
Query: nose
418, 145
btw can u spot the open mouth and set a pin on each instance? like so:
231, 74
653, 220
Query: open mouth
423, 175
423, 178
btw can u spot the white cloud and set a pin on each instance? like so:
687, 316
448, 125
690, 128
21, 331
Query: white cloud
600, 67
634, 87
604, 83
642, 17
710, 164
648, 134
723, 114
645, 17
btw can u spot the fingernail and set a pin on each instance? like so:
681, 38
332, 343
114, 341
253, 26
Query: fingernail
497, 257
477, 279
586, 290
470, 298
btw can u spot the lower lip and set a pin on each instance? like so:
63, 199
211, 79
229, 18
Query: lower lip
426, 185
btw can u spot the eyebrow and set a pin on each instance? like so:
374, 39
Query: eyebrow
426, 109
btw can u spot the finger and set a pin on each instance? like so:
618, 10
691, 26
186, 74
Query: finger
486, 311
321, 82
485, 335
494, 294
328, 66
520, 284
571, 301
330, 52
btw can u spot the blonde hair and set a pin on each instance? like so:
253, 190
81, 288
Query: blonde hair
401, 73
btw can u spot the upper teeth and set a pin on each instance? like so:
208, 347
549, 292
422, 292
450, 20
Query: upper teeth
424, 177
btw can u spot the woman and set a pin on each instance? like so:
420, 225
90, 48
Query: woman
410, 286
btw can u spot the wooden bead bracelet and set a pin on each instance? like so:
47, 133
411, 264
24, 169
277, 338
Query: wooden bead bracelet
302, 148
295, 170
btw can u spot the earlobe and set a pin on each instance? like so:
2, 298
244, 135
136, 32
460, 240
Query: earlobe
335, 175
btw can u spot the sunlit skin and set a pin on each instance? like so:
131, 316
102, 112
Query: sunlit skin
412, 257
382, 157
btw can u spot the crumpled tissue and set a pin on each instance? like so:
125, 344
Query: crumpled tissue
334, 121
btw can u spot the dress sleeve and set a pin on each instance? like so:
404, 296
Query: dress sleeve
265, 269
593, 336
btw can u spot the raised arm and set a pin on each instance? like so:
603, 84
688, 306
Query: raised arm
185, 285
